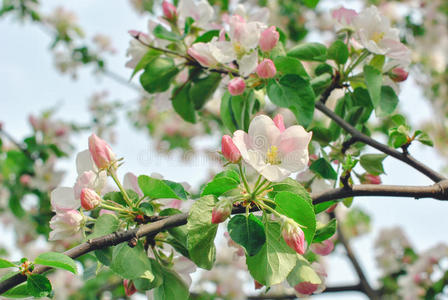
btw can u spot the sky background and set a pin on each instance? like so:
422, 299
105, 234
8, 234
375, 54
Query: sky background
31, 84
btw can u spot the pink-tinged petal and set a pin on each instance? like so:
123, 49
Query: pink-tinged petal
343, 15
89, 199
84, 162
63, 198
101, 152
295, 161
279, 122
324, 248
269, 39
202, 54
221, 211
130, 181
229, 149
263, 133
306, 288
294, 138
65, 224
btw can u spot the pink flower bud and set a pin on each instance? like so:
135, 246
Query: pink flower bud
371, 179
236, 86
169, 10
331, 208
25, 179
258, 285
229, 149
324, 248
343, 15
294, 236
266, 69
101, 152
278, 121
269, 39
89, 199
129, 287
221, 211
306, 288
398, 74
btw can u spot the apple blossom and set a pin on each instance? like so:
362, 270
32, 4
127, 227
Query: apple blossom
236, 86
293, 235
137, 47
130, 182
269, 39
65, 224
272, 153
89, 199
324, 248
221, 211
200, 11
344, 16
101, 152
203, 53
229, 150
266, 69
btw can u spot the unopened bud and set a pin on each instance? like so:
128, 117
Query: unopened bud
257, 285
221, 211
236, 86
306, 288
269, 39
169, 10
89, 199
371, 179
229, 149
324, 248
25, 179
398, 74
293, 236
101, 152
278, 121
129, 287
266, 69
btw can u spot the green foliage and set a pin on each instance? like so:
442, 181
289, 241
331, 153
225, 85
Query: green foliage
158, 75
338, 52
309, 51
183, 104
201, 232
207, 36
221, 183
373, 80
38, 285
156, 188
325, 231
298, 209
373, 163
56, 260
146, 59
290, 65
172, 287
295, 93
105, 224
203, 88
236, 111
162, 33
19, 291
248, 232
272, 264
324, 169
290, 185
388, 102
131, 263
303, 272
6, 264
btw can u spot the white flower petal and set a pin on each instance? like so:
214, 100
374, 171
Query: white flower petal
275, 173
294, 138
63, 198
248, 63
84, 162
263, 133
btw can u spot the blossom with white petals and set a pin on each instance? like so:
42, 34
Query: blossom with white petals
201, 11
272, 153
65, 224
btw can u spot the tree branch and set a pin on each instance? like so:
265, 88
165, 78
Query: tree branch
21, 147
330, 289
436, 191
357, 135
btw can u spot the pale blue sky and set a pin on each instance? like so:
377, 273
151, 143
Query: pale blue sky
30, 84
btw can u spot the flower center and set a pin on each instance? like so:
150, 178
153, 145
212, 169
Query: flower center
377, 36
239, 49
272, 156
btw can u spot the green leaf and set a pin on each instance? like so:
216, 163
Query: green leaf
318, 208
19, 291
272, 264
309, 51
6, 264
388, 102
146, 59
423, 138
219, 186
374, 79
183, 104
145, 284
202, 89
201, 232
311, 3
324, 232
177, 188
188, 22
338, 52
207, 36
131, 263
298, 209
155, 188
247, 232
320, 83
115, 197
164, 34
173, 287
377, 62
158, 75
373, 163
290, 65
105, 224
302, 272
56, 260
322, 167
38, 285
291, 185
228, 173
295, 93
226, 112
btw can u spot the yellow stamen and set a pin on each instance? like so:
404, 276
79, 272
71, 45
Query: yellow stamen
271, 156
377, 36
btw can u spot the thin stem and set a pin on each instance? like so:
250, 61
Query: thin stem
256, 183
360, 58
113, 208
243, 178
256, 191
113, 174
265, 188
